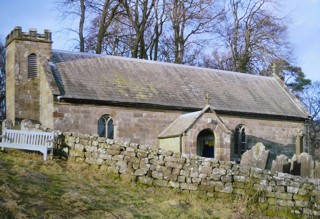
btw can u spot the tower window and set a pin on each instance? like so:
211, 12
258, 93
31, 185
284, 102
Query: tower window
32, 66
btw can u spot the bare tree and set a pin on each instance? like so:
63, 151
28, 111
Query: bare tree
253, 35
311, 99
156, 32
2, 81
140, 15
107, 15
73, 10
81, 25
191, 18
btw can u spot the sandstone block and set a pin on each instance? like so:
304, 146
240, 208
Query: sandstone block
301, 197
291, 189
174, 184
195, 180
207, 188
285, 203
181, 179
194, 174
145, 180
140, 172
184, 173
202, 175
112, 152
240, 178
285, 196
79, 147
173, 165
219, 171
157, 175
188, 186
170, 176
101, 150
90, 148
76, 153
118, 157
160, 182
205, 169
227, 178
302, 203
105, 156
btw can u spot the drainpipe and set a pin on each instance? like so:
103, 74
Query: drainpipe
59, 99
181, 145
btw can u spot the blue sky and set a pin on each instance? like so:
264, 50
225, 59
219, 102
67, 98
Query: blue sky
304, 29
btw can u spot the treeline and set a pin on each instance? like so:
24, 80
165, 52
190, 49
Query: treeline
238, 35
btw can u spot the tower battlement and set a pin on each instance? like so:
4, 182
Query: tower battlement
32, 35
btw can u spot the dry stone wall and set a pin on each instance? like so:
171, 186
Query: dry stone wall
214, 178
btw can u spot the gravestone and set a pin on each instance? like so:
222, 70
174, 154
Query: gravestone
317, 170
295, 168
26, 125
281, 164
257, 156
6, 124
307, 165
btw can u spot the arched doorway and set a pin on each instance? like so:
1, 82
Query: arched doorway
206, 144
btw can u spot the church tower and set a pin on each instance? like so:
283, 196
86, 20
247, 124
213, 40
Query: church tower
24, 52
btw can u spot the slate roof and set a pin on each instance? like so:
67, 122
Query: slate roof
180, 125
185, 121
110, 79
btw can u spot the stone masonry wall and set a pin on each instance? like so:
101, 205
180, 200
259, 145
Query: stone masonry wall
273, 191
278, 136
130, 124
144, 125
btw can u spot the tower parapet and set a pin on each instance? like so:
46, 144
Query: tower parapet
32, 35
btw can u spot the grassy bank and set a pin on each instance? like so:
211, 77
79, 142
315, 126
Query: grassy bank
32, 188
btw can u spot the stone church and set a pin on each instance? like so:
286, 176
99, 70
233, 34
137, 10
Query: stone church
211, 113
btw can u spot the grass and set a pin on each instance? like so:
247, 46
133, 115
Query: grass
33, 188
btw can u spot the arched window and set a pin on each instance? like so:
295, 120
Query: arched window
240, 140
106, 127
32, 66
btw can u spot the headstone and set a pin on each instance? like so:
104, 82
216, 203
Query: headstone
307, 165
257, 156
26, 125
317, 170
295, 165
281, 164
7, 124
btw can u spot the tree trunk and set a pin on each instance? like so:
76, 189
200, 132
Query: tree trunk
81, 24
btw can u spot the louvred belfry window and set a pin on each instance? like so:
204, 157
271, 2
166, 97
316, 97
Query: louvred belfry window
32, 66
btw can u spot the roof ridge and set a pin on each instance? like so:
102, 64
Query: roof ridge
241, 74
